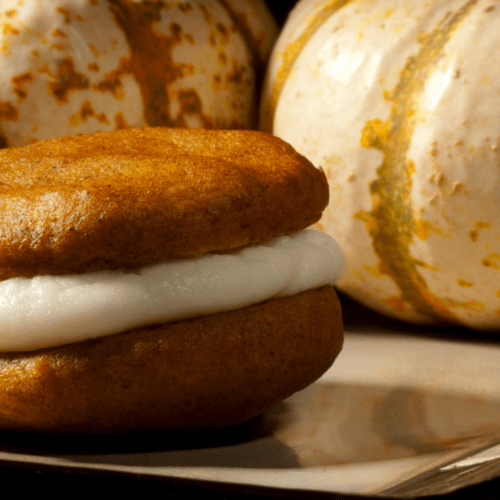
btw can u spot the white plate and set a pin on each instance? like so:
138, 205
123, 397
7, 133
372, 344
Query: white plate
396, 409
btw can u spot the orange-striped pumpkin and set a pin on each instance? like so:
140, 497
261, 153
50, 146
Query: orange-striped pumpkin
399, 100
80, 66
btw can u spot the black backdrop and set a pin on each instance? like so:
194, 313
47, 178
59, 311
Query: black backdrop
280, 9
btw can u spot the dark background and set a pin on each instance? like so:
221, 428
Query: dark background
280, 9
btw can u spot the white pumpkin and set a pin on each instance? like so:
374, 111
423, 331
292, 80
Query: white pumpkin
399, 102
81, 66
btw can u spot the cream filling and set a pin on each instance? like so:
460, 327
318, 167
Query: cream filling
47, 311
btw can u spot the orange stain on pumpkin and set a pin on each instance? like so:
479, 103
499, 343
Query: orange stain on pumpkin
423, 228
216, 82
112, 81
397, 304
468, 305
492, 260
86, 112
151, 61
94, 50
237, 73
120, 121
67, 79
8, 29
320, 226
190, 104
375, 272
474, 233
219, 37
8, 112
59, 33
66, 13
376, 17
20, 82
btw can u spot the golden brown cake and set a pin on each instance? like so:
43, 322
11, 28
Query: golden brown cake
123, 200
139, 196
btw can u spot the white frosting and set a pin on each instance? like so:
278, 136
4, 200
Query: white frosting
53, 310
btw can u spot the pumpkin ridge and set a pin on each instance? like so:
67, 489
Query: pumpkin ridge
251, 45
390, 223
290, 55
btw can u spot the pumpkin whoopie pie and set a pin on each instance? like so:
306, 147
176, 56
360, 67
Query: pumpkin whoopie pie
161, 279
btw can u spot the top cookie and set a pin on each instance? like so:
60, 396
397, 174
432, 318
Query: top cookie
136, 197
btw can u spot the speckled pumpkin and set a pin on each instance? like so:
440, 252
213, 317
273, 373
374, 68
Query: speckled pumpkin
81, 66
399, 102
